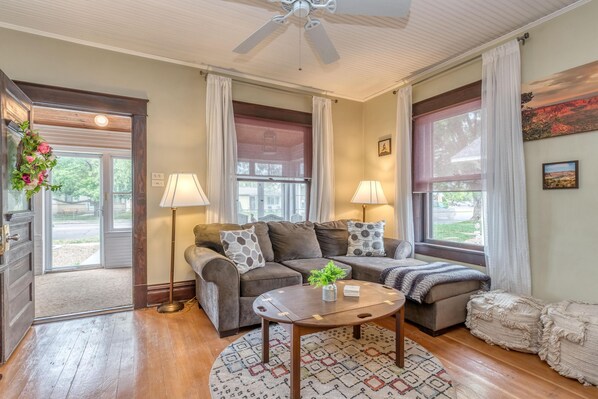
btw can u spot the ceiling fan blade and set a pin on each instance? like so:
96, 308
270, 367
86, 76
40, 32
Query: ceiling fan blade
258, 36
374, 8
321, 41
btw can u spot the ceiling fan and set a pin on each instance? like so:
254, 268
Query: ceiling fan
314, 28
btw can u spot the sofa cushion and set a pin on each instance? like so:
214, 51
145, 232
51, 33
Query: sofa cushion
270, 277
366, 239
333, 237
370, 268
208, 235
294, 241
242, 247
261, 231
305, 266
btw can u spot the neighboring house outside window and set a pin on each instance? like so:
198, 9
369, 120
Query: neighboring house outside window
447, 178
274, 163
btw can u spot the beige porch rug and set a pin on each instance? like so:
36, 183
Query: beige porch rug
82, 291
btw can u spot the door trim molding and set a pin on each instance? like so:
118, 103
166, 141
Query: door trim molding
136, 108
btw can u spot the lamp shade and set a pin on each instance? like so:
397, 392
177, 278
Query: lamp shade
369, 192
183, 189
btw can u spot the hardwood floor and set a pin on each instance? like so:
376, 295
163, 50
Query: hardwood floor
143, 354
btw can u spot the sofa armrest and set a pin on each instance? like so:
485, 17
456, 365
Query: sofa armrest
397, 249
218, 287
211, 266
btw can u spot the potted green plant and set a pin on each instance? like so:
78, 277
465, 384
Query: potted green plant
326, 278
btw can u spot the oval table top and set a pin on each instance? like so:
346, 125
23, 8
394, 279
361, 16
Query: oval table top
303, 305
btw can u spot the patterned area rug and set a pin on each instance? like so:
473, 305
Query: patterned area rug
333, 365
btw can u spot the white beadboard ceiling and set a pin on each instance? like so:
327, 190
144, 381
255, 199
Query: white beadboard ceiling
376, 53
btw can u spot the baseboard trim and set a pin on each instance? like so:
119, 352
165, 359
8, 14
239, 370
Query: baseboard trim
158, 293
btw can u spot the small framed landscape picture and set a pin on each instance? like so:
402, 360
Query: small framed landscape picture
558, 175
384, 147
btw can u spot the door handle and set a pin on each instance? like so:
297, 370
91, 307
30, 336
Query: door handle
14, 237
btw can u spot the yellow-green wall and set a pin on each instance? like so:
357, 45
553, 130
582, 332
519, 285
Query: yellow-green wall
176, 122
563, 223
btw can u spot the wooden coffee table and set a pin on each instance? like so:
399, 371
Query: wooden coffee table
301, 311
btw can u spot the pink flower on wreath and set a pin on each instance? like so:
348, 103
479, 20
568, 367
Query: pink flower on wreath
29, 158
44, 148
27, 179
41, 177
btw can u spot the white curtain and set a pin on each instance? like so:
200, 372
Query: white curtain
222, 151
321, 203
403, 188
503, 169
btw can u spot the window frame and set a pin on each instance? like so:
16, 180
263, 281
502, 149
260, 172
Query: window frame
111, 193
459, 252
267, 113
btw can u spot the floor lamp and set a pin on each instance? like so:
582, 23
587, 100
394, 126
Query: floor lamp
182, 190
369, 192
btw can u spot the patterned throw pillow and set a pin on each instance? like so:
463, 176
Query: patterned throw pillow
242, 247
366, 239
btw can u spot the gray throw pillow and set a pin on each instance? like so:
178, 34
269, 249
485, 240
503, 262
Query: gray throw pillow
261, 231
294, 241
208, 235
242, 247
366, 239
332, 237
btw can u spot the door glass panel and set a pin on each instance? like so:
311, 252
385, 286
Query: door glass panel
76, 212
122, 193
16, 199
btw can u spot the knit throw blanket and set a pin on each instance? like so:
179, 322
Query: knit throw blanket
416, 281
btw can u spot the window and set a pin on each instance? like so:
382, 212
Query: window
273, 163
447, 183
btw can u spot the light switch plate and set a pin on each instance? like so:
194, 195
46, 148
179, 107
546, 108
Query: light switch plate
157, 176
157, 183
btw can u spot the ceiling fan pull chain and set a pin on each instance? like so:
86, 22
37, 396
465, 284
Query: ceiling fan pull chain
300, 50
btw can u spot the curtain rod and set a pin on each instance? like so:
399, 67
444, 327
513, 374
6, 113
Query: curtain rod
283, 90
521, 39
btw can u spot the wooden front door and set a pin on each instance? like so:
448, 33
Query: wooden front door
17, 308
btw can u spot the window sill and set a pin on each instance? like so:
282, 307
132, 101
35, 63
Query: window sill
451, 253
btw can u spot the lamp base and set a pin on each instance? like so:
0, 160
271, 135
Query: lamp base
171, 307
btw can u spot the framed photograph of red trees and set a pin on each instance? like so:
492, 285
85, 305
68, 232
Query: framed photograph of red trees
561, 104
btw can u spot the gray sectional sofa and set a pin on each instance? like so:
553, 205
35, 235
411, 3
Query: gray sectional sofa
291, 251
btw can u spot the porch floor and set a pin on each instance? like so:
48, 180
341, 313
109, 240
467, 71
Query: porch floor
80, 291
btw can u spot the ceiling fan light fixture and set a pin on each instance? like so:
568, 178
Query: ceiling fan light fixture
301, 8
315, 30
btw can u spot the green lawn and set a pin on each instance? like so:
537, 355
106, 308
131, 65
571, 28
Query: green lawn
457, 232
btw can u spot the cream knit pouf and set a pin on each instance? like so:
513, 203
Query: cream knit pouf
508, 320
570, 340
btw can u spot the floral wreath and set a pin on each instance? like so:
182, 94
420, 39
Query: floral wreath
34, 161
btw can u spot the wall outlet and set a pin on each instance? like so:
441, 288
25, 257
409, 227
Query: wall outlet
157, 176
157, 183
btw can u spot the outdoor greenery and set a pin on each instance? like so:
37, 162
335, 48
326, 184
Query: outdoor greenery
79, 178
457, 232
326, 276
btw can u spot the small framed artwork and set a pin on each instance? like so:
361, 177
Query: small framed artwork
384, 147
559, 175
